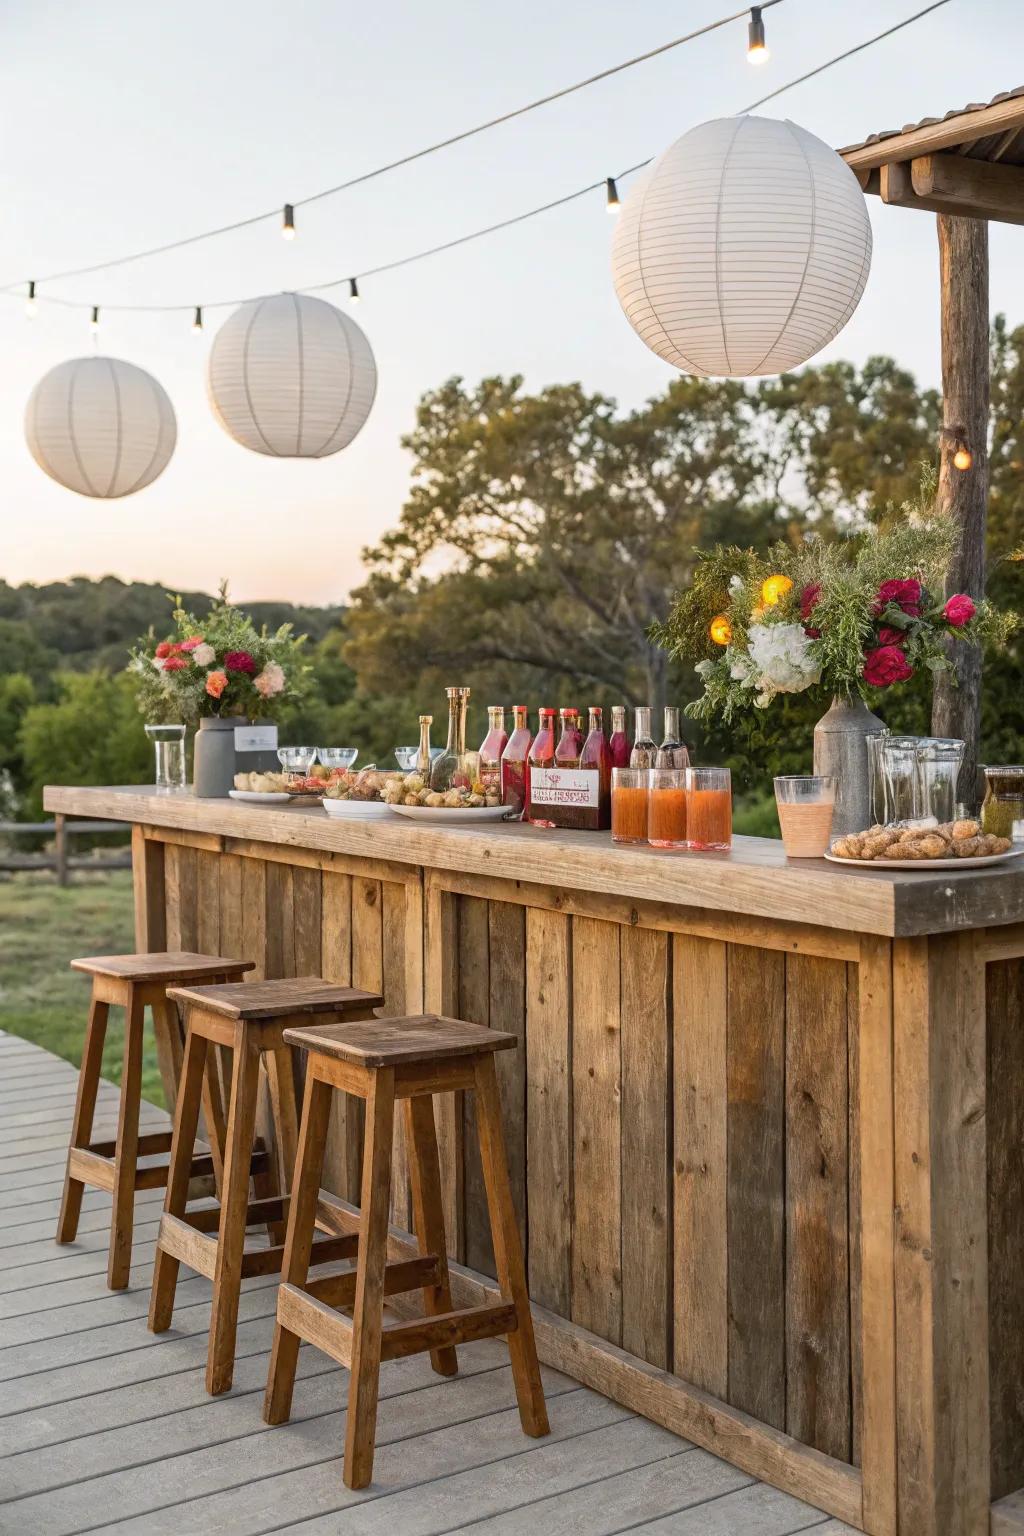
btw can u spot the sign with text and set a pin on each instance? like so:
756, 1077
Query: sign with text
579, 787
255, 738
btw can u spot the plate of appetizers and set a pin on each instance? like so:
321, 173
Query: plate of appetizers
944, 845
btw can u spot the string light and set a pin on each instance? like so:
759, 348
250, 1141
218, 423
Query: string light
757, 48
963, 458
31, 307
353, 290
197, 319
612, 195
288, 222
959, 449
94, 323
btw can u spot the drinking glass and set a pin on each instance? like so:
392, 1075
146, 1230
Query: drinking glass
169, 747
406, 757
296, 760
876, 778
629, 805
337, 757
708, 809
805, 804
898, 757
939, 759
666, 808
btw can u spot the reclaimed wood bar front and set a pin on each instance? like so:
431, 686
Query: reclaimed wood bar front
765, 1125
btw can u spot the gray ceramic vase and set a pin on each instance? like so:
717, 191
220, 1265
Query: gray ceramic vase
213, 761
840, 749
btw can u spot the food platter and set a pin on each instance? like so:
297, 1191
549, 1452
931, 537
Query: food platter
263, 796
355, 810
924, 866
450, 815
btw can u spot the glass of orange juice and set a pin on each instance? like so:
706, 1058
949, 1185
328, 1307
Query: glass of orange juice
708, 810
805, 804
666, 808
629, 805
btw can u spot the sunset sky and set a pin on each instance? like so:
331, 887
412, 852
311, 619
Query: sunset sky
124, 123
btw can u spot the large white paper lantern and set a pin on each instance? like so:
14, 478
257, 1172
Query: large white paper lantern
291, 376
100, 426
744, 250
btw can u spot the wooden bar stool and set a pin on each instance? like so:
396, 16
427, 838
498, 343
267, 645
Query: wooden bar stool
130, 982
249, 1019
380, 1061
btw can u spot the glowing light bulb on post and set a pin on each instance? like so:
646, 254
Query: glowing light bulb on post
757, 48
774, 589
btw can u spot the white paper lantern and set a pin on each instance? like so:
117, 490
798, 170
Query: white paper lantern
744, 250
100, 426
291, 376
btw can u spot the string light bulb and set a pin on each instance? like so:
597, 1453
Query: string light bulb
774, 589
353, 290
612, 197
197, 319
963, 458
288, 222
757, 48
720, 629
94, 323
30, 302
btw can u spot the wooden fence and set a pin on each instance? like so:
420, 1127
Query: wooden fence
61, 860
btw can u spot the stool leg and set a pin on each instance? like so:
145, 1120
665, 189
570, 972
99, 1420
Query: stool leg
179, 1171
316, 1109
281, 1081
122, 1219
368, 1318
508, 1253
81, 1124
428, 1215
227, 1276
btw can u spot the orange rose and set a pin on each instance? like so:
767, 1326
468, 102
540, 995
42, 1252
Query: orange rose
216, 682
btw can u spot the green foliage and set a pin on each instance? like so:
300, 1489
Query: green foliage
91, 735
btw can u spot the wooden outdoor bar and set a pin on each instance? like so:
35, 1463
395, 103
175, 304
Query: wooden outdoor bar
765, 1123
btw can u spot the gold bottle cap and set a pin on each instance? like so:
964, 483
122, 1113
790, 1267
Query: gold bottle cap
426, 719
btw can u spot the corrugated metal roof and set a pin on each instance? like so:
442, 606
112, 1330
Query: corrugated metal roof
928, 122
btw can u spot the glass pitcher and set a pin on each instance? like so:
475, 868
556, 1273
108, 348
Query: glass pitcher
898, 759
169, 748
939, 759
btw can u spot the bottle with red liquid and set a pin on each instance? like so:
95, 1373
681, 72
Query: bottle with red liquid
491, 748
514, 761
542, 753
618, 742
596, 756
574, 717
567, 753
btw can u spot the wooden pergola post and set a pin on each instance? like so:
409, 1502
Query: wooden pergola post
963, 494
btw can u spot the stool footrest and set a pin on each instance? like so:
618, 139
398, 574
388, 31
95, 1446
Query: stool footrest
446, 1329
259, 1212
193, 1239
153, 1141
181, 1240
340, 1290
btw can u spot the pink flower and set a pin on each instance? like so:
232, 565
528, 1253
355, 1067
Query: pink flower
809, 599
204, 655
190, 645
162, 650
270, 680
216, 682
890, 636
886, 665
239, 661
904, 594
175, 664
959, 610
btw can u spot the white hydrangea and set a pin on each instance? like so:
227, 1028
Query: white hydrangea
204, 655
780, 660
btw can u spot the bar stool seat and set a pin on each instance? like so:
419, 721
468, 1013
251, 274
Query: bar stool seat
131, 982
380, 1061
249, 1020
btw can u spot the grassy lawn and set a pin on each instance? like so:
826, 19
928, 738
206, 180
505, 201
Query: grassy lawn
42, 928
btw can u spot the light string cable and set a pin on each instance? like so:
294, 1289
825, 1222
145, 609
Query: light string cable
490, 229
391, 165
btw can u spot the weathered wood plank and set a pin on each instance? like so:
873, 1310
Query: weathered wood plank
254, 915
208, 903
475, 1005
441, 983
817, 1178
701, 1206
756, 1182
308, 937
342, 1152
856, 1319
548, 1098
395, 938
1004, 1119
280, 949
507, 1007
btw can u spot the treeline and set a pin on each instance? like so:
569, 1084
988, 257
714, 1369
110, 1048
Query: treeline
542, 535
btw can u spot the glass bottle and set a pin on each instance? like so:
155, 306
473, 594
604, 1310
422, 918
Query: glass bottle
450, 770
491, 748
1002, 811
574, 720
567, 753
423, 750
542, 750
672, 753
595, 754
618, 742
644, 751
514, 761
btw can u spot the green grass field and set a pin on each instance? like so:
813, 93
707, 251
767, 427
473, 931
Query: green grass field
42, 928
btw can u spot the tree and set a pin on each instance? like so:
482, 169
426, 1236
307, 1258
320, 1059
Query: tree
93, 734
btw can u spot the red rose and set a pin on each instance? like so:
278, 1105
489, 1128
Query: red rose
175, 663
162, 650
904, 594
239, 661
886, 665
809, 599
959, 610
889, 636
190, 645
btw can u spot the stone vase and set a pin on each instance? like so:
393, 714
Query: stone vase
213, 760
840, 749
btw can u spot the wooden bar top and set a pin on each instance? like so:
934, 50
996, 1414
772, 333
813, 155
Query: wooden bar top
755, 878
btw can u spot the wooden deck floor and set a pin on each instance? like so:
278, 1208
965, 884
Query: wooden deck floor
106, 1427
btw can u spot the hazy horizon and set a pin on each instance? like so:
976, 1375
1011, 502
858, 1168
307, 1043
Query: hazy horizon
127, 125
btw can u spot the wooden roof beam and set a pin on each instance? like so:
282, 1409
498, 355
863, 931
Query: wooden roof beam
973, 189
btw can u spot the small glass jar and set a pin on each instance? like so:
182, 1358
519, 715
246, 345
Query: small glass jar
169, 750
629, 805
1002, 811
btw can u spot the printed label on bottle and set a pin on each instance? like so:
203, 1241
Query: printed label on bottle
565, 786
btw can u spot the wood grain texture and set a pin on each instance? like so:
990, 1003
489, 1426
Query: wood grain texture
182, 897
396, 939
507, 1006
254, 914
597, 1129
208, 903
306, 901
549, 1158
817, 1177
280, 950
441, 987
853, 1030
701, 1202
474, 1005
646, 1040
1004, 1121
342, 1156
756, 1184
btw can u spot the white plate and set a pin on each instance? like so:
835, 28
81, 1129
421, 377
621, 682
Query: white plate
923, 865
450, 815
355, 810
267, 796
